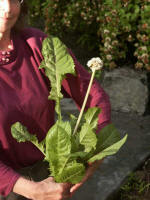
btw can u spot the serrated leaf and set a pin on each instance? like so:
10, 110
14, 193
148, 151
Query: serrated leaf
75, 143
66, 126
73, 173
79, 154
73, 121
58, 146
87, 137
106, 137
91, 116
57, 63
21, 134
109, 151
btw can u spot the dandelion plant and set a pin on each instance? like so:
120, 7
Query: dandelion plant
66, 147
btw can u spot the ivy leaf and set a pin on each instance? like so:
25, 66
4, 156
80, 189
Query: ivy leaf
21, 134
109, 151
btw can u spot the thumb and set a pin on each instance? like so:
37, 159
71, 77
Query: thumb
49, 179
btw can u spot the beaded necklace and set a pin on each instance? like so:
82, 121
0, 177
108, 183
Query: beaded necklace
6, 54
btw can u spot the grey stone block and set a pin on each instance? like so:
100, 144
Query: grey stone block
127, 89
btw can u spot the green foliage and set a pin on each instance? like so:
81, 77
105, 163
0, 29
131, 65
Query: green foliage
111, 150
21, 134
68, 153
134, 185
118, 29
35, 13
57, 62
106, 138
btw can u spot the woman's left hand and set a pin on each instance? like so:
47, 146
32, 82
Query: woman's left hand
90, 170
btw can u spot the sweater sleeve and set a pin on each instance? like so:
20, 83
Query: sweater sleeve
8, 178
76, 87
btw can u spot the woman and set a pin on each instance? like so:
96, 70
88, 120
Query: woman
24, 91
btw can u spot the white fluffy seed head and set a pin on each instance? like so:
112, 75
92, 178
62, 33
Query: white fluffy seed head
95, 64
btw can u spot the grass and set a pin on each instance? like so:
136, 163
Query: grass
137, 185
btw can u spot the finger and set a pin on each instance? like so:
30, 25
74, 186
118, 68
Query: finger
96, 162
75, 187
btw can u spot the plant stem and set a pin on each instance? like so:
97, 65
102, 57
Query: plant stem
59, 109
84, 103
39, 147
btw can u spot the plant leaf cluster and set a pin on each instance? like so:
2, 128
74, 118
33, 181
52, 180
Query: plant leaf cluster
68, 154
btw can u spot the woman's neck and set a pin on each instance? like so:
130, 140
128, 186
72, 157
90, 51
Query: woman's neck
5, 41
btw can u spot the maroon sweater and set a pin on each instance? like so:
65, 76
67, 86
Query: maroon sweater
24, 91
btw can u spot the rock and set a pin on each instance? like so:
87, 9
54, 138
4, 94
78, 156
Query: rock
127, 89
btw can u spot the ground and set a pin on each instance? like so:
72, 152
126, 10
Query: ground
137, 185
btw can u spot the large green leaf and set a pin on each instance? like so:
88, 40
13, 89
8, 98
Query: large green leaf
73, 173
21, 134
78, 154
57, 63
106, 137
109, 151
72, 121
58, 146
66, 126
87, 137
75, 144
91, 116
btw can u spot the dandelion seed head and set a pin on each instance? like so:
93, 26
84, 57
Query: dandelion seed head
95, 64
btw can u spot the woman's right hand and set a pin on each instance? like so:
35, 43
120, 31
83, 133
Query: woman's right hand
47, 189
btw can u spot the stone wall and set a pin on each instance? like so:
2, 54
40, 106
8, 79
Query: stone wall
127, 89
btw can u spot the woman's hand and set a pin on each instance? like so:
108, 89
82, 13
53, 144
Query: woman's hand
90, 170
47, 189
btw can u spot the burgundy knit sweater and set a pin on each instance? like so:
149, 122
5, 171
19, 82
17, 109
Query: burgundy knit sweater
24, 91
